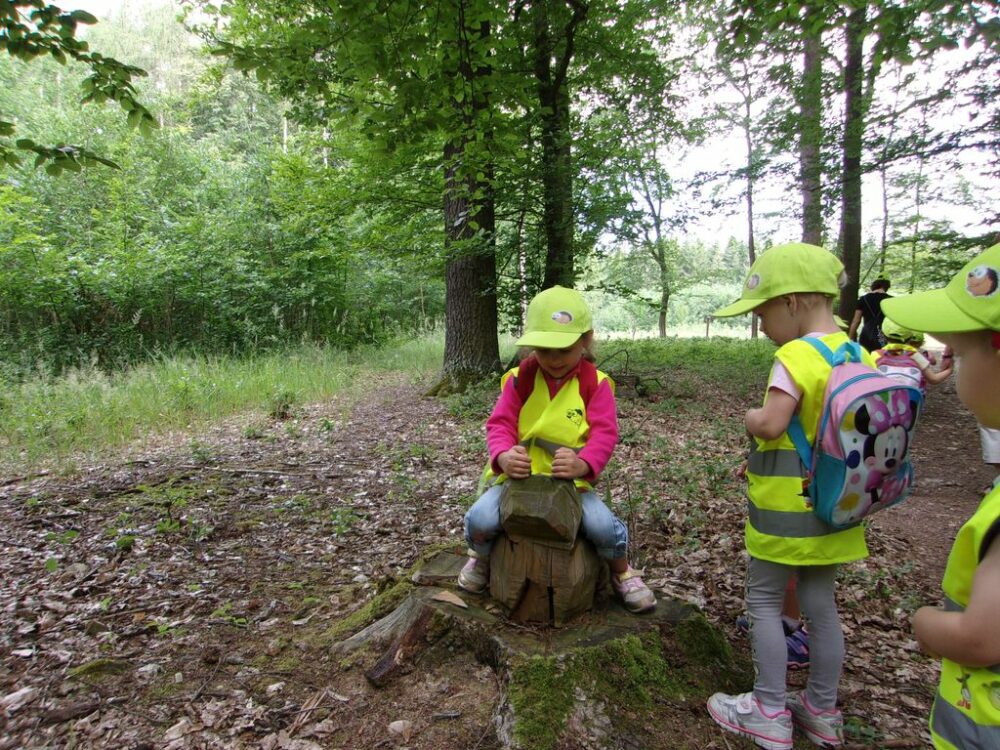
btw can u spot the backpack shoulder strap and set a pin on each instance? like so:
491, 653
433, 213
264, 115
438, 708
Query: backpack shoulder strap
797, 434
587, 375
524, 381
849, 351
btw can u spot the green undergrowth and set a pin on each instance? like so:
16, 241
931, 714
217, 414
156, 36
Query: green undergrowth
627, 678
682, 368
46, 420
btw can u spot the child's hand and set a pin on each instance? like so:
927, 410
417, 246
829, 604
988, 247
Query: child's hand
740, 472
515, 463
567, 465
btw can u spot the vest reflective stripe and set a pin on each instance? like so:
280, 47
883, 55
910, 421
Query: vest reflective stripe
950, 605
967, 708
546, 445
547, 423
781, 527
776, 463
786, 523
958, 731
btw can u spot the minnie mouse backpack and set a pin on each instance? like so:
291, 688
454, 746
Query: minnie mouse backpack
859, 462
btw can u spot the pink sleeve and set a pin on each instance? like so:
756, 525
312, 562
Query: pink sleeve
603, 419
782, 380
501, 427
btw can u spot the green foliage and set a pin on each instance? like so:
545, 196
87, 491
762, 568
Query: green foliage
32, 29
44, 418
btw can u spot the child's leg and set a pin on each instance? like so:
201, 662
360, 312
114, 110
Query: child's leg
482, 522
765, 592
605, 530
790, 605
826, 638
610, 537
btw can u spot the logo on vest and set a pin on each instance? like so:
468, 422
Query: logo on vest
575, 416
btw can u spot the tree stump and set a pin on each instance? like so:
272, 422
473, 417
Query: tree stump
540, 569
603, 682
534, 582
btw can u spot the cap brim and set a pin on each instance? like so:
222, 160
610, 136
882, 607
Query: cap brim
549, 339
930, 312
739, 307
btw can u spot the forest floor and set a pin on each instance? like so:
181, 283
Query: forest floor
178, 597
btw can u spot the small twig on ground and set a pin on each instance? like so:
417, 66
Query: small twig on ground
23, 478
266, 472
896, 744
198, 692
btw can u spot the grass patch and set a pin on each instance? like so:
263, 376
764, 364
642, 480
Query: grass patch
46, 420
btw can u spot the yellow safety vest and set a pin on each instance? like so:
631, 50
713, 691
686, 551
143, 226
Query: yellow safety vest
781, 526
966, 712
546, 423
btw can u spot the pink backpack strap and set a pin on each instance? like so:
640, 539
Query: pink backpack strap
524, 381
587, 374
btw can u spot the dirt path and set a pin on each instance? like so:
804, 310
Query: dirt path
951, 481
184, 599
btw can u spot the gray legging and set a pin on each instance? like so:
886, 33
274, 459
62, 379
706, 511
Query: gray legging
765, 590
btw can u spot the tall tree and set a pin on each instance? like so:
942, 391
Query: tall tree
423, 75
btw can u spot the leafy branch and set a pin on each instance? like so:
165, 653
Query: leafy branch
30, 29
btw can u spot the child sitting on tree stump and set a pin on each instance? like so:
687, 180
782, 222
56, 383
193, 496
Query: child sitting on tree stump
556, 416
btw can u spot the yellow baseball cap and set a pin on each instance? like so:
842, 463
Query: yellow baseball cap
970, 302
556, 318
786, 269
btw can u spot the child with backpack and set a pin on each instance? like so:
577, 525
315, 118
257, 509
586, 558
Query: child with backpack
965, 315
901, 358
791, 289
556, 415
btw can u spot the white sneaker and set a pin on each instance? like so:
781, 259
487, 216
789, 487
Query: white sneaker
475, 575
823, 728
743, 715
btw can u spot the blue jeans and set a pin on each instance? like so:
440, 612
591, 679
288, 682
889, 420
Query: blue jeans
602, 527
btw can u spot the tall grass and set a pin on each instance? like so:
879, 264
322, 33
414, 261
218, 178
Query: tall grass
45, 420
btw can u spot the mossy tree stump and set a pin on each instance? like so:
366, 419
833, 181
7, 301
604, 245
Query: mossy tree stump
541, 570
602, 682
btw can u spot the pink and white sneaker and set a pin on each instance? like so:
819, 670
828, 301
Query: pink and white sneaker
823, 728
635, 594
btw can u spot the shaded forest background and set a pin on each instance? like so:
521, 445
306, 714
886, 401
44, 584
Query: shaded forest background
341, 173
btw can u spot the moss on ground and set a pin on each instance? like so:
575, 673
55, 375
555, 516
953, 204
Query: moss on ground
374, 610
629, 676
99, 668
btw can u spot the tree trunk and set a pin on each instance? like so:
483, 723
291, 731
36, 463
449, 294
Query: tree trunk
854, 124
550, 69
811, 133
751, 165
661, 261
470, 347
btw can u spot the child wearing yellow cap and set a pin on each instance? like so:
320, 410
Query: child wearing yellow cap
556, 415
791, 289
902, 359
965, 634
